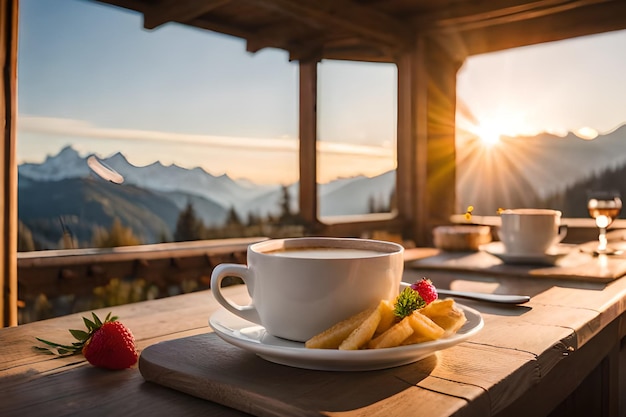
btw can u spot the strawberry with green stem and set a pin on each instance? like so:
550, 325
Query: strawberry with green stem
417, 296
426, 290
107, 344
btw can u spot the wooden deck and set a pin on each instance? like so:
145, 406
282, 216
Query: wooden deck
560, 354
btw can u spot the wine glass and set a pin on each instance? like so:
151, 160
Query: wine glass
604, 207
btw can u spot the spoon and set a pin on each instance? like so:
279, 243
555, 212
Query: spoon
491, 298
479, 296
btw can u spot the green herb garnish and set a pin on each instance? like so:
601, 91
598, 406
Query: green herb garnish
407, 302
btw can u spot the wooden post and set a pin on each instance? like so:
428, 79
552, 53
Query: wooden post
426, 179
308, 142
441, 71
8, 164
406, 173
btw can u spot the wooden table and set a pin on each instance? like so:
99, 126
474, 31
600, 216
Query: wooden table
527, 361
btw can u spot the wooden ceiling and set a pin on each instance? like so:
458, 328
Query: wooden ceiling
378, 30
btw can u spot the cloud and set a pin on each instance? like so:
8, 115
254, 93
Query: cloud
81, 128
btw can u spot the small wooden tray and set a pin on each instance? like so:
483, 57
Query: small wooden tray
207, 367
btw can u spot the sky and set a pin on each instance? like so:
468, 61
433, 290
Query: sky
89, 75
573, 85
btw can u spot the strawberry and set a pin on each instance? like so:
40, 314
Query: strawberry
107, 344
426, 290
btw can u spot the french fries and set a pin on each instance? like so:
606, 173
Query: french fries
446, 314
387, 318
378, 327
332, 337
394, 336
363, 333
424, 329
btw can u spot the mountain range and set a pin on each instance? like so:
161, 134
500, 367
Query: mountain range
63, 188
150, 198
524, 171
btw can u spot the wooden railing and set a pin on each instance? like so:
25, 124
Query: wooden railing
57, 282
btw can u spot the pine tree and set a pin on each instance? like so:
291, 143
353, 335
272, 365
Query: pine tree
285, 201
188, 226
233, 218
286, 216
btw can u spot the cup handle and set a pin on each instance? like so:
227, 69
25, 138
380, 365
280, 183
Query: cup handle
222, 271
562, 233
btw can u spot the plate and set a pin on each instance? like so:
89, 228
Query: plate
551, 256
254, 338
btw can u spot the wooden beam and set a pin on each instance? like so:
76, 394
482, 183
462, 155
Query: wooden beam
307, 44
178, 11
344, 15
308, 142
481, 14
283, 36
8, 163
419, 125
406, 142
357, 53
222, 27
426, 179
584, 21
441, 189
526, 16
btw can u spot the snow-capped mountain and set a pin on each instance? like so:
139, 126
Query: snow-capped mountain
221, 189
66, 164
343, 196
539, 167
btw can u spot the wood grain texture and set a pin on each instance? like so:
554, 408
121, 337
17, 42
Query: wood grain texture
527, 360
207, 367
8, 163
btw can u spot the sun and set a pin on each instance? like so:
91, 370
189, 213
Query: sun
489, 135
490, 130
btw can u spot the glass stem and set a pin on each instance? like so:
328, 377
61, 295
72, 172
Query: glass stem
602, 240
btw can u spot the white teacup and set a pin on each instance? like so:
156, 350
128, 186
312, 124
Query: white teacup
530, 231
301, 286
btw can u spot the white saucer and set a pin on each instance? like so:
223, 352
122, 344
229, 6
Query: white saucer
254, 338
550, 257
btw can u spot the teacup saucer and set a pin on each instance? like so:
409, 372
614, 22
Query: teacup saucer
550, 257
254, 338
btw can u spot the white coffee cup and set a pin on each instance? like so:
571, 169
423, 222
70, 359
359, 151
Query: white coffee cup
530, 231
301, 286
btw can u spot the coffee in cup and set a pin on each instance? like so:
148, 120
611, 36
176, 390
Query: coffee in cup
302, 286
530, 231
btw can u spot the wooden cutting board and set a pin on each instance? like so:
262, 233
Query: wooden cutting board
207, 367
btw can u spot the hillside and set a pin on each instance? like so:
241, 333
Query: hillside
573, 200
84, 203
523, 171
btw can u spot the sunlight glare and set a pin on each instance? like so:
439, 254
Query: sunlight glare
488, 135
502, 123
